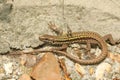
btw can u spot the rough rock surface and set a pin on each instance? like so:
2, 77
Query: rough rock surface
26, 23
21, 26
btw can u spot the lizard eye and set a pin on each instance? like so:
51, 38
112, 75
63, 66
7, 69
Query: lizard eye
53, 42
46, 38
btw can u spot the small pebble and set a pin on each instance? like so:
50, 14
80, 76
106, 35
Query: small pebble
8, 68
101, 69
80, 69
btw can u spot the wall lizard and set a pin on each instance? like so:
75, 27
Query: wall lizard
78, 37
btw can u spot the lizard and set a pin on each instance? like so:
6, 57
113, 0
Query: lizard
79, 37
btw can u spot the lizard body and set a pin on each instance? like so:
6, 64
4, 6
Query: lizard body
78, 37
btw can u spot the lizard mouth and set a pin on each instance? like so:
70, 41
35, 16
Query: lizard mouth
46, 38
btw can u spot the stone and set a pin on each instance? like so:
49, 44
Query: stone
80, 69
25, 77
101, 69
8, 67
28, 60
47, 68
114, 57
91, 71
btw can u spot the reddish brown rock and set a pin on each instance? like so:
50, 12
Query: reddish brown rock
25, 77
114, 57
47, 68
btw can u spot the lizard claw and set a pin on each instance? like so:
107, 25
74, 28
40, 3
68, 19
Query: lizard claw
54, 28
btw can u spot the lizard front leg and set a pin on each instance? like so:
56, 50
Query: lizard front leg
54, 28
58, 31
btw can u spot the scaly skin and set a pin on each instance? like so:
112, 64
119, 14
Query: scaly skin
78, 37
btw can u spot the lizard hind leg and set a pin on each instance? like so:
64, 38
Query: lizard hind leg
108, 38
85, 52
89, 46
90, 55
